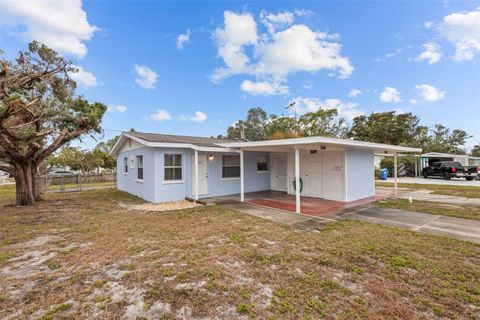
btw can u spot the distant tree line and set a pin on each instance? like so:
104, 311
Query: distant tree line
85, 160
380, 127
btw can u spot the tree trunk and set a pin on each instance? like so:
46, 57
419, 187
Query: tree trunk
24, 185
36, 183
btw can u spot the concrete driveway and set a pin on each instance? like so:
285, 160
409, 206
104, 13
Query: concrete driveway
464, 229
435, 180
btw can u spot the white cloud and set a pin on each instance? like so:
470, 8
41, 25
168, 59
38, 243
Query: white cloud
276, 21
390, 94
347, 110
83, 77
61, 25
198, 117
161, 115
428, 24
354, 93
277, 53
463, 30
429, 93
308, 85
239, 30
183, 39
264, 88
117, 108
413, 101
146, 77
431, 53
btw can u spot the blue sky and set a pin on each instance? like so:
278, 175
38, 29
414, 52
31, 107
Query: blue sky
194, 68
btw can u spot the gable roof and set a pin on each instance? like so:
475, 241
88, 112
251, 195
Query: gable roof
170, 141
169, 138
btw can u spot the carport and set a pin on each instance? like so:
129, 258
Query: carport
340, 170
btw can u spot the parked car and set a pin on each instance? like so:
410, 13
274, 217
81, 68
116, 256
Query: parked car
449, 170
58, 173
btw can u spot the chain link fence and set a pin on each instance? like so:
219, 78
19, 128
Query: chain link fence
76, 182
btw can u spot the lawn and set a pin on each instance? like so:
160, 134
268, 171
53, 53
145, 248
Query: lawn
79, 255
467, 212
460, 191
83, 185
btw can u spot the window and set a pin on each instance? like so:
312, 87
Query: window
173, 167
231, 166
125, 165
140, 167
262, 164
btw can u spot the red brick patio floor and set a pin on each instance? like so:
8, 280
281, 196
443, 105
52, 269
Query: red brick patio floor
309, 205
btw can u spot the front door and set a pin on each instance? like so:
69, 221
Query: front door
313, 175
279, 171
202, 174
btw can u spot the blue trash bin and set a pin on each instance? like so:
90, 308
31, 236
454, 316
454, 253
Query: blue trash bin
384, 174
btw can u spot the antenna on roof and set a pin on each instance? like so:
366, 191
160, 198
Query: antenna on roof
291, 107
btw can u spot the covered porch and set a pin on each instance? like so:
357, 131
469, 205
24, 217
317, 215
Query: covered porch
310, 206
314, 175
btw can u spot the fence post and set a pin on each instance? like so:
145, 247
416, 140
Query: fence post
79, 180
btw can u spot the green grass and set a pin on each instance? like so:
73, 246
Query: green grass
466, 212
449, 190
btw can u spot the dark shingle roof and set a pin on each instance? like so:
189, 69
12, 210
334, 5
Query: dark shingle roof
198, 141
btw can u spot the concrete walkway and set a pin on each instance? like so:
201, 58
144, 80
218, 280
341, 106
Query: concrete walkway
463, 229
289, 218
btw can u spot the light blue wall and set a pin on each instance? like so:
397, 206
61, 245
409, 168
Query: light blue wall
254, 181
360, 173
128, 182
155, 189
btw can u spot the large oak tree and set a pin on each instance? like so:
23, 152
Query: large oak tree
39, 113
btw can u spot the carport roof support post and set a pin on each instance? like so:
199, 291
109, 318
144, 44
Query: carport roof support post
297, 180
395, 172
196, 174
242, 183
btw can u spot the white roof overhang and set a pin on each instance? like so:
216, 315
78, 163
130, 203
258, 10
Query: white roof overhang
312, 142
124, 136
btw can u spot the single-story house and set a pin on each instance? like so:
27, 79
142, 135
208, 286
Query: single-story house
160, 167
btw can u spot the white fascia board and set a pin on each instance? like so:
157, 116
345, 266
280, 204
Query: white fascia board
170, 145
315, 140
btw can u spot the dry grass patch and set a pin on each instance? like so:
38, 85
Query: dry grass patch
466, 212
87, 257
448, 190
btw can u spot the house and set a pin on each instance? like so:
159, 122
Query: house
160, 167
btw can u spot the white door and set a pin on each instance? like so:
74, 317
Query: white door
279, 173
202, 174
313, 175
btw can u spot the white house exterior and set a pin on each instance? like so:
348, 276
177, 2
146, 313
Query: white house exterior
158, 167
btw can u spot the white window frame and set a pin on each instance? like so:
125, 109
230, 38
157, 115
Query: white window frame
224, 166
125, 165
132, 161
167, 181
